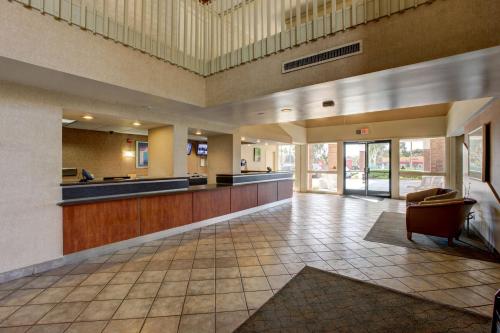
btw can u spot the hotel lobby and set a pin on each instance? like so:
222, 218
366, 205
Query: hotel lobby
249, 166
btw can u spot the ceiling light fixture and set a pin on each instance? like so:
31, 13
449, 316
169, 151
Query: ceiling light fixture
286, 110
198, 132
242, 138
88, 117
68, 121
258, 140
136, 123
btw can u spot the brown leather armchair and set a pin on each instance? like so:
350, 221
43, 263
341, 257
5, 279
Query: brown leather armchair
442, 218
430, 194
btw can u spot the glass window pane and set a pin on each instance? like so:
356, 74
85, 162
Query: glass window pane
322, 157
423, 155
412, 183
324, 182
286, 158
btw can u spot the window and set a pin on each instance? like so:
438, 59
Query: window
286, 161
422, 164
322, 167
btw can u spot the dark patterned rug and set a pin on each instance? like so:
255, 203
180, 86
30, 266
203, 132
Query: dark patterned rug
319, 301
390, 228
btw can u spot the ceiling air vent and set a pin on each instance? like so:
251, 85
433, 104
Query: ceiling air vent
335, 53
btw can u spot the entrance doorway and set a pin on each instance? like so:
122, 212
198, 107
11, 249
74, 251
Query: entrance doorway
367, 168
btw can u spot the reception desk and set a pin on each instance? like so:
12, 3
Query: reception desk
109, 215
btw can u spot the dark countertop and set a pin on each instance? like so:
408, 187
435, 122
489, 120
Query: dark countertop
253, 173
119, 181
196, 188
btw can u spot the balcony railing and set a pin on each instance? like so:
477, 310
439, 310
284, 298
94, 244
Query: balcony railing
222, 34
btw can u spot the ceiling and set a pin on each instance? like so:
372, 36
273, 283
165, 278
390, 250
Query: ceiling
466, 76
436, 110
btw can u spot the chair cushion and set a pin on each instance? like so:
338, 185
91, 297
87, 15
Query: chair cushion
449, 195
441, 202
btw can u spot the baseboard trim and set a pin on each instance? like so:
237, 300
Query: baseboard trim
106, 249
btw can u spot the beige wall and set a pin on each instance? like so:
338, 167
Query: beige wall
488, 207
224, 155
30, 155
409, 128
42, 41
100, 152
268, 157
461, 112
414, 36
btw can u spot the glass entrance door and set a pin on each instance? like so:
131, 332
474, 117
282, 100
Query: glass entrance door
367, 168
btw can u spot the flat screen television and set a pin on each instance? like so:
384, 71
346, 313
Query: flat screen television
189, 148
202, 149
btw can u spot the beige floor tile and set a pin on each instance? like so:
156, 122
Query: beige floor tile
134, 266
99, 310
17, 329
98, 279
51, 295
396, 271
133, 308
230, 302
226, 262
151, 276
144, 290
278, 269
177, 275
178, 288
87, 327
202, 274
441, 296
255, 284
374, 273
157, 265
268, 260
125, 277
256, 299
6, 311
16, 284
393, 284
339, 264
199, 323
227, 322
114, 291
167, 306
20, 297
70, 280
227, 272
50, 328
252, 271
228, 285
27, 315
202, 287
416, 283
63, 313
199, 304
161, 324
41, 282
124, 326
278, 281
82, 294
469, 297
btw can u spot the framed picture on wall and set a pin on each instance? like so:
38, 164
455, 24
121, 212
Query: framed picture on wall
141, 154
477, 144
257, 154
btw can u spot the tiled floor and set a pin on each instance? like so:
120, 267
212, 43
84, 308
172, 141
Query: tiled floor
211, 279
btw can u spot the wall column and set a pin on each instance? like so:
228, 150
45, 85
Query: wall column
167, 151
224, 155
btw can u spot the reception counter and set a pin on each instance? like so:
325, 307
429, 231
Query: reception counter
110, 215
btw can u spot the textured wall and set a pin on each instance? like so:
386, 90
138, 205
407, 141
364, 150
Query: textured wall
100, 152
488, 207
30, 169
442, 28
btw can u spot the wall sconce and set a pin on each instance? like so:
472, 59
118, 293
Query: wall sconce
128, 153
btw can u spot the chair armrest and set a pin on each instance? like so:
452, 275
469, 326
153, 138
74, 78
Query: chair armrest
420, 195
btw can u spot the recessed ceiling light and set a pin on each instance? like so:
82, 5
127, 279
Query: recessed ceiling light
258, 140
198, 132
88, 117
68, 121
136, 123
266, 143
286, 110
242, 138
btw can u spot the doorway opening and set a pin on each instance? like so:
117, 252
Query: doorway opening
367, 168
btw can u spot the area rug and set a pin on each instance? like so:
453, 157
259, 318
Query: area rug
319, 301
390, 228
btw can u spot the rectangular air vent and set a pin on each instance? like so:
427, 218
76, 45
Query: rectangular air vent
335, 53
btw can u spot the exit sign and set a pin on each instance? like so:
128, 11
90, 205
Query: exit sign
362, 131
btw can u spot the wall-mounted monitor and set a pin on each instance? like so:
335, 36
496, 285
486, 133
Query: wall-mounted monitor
202, 149
189, 148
